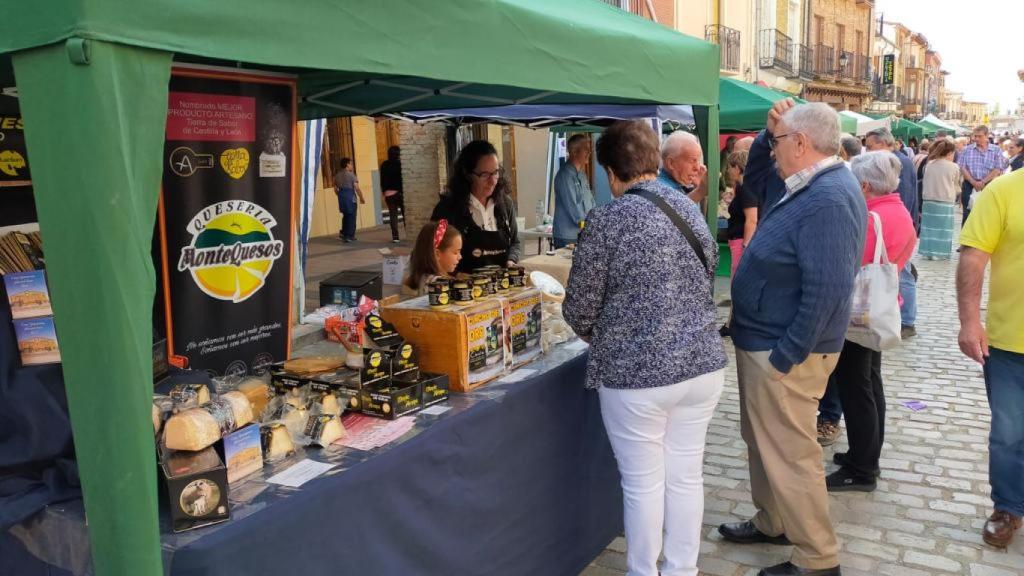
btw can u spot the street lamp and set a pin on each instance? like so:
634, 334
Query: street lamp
843, 60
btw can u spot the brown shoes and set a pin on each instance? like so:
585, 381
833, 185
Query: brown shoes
828, 432
1000, 528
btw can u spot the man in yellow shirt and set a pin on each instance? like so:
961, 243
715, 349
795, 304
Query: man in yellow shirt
995, 231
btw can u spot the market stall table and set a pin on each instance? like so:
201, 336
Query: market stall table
538, 232
516, 478
557, 266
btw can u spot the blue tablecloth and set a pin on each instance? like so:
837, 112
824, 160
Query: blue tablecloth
517, 478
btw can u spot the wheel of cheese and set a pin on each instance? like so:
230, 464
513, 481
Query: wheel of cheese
550, 288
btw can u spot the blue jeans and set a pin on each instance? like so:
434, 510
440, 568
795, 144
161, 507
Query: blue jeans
1004, 382
830, 409
562, 242
908, 290
347, 205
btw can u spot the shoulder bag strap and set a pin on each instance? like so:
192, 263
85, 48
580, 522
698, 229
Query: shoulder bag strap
678, 221
881, 254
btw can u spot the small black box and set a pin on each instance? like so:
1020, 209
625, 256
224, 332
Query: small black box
346, 288
389, 399
197, 488
435, 388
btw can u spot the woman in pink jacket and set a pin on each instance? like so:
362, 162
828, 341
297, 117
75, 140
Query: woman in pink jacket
859, 371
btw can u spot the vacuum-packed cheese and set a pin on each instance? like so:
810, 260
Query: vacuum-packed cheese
200, 427
187, 396
258, 392
324, 429
277, 442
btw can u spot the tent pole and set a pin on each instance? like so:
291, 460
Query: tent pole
95, 114
706, 119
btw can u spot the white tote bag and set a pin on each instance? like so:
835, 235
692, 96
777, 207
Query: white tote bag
875, 314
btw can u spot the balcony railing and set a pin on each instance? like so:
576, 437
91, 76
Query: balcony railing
845, 65
805, 55
824, 60
775, 50
729, 40
862, 70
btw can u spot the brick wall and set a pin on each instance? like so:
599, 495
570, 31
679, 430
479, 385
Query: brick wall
423, 170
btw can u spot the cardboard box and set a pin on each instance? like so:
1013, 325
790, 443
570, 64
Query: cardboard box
391, 399
243, 452
346, 288
27, 294
523, 318
463, 342
197, 488
37, 341
435, 388
344, 383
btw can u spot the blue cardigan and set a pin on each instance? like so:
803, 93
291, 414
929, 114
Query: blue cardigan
791, 294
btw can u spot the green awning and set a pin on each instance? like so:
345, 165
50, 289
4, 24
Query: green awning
93, 84
848, 124
368, 57
905, 130
931, 130
744, 106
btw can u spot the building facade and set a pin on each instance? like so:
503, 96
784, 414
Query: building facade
838, 33
952, 108
935, 83
975, 113
913, 53
784, 59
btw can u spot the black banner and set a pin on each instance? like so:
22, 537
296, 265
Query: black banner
888, 69
226, 220
13, 156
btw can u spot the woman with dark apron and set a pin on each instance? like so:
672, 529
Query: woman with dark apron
479, 206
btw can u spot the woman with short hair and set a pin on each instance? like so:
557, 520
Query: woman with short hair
640, 293
940, 188
859, 371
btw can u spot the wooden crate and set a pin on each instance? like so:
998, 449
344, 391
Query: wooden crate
444, 336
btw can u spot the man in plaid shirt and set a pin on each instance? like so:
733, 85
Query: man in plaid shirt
980, 164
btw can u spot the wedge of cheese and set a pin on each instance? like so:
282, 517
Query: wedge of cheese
187, 396
324, 429
277, 442
258, 392
198, 428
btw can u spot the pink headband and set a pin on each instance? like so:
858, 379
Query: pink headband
442, 227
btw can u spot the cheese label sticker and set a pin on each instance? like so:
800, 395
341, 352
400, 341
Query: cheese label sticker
200, 498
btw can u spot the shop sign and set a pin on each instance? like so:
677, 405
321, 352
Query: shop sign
226, 221
889, 69
13, 155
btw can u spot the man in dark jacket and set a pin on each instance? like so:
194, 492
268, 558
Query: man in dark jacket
391, 185
791, 308
882, 139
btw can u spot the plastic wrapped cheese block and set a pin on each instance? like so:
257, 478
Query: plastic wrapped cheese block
329, 404
277, 442
156, 419
187, 396
550, 288
258, 392
324, 430
200, 427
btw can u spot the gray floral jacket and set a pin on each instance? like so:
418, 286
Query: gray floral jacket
641, 295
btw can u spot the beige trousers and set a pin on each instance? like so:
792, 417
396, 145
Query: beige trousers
778, 421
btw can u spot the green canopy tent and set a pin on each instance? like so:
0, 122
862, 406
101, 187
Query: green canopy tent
905, 130
744, 106
92, 76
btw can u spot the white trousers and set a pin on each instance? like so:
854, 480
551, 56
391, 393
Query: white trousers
658, 436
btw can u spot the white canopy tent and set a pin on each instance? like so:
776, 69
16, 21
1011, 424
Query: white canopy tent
866, 124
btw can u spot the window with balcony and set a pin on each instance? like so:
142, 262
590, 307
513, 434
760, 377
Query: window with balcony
805, 57
729, 41
824, 60
775, 50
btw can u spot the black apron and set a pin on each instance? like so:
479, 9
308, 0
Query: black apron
482, 248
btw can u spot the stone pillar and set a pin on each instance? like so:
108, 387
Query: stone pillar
423, 171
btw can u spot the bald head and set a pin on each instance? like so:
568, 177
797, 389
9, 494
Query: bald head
744, 144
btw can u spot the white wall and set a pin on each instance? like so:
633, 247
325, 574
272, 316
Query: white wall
531, 168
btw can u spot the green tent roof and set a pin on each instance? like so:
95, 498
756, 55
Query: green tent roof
744, 106
905, 130
370, 57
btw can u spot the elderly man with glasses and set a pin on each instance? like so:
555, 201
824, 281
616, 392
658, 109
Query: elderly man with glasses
791, 308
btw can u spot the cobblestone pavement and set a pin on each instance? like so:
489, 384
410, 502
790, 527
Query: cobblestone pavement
925, 518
